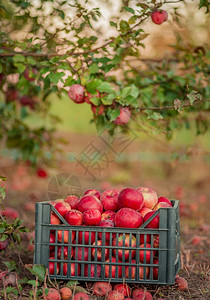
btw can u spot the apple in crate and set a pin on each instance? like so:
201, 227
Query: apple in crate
98, 251
108, 215
93, 192
52, 240
154, 223
86, 237
54, 220
109, 199
106, 223
88, 202
92, 217
113, 268
64, 250
52, 267
73, 268
162, 204
131, 271
62, 208
72, 201
164, 199
155, 269
65, 234
145, 253
143, 237
93, 272
150, 197
144, 210
128, 218
74, 217
81, 253
131, 198
124, 241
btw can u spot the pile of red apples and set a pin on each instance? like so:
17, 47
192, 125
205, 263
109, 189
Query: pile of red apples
128, 208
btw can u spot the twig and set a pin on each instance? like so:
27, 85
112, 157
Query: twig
172, 106
35, 290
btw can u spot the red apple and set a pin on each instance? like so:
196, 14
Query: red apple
106, 223
156, 241
93, 192
30, 74
52, 240
132, 270
41, 173
181, 283
52, 267
164, 199
73, 268
11, 95
54, 219
89, 202
77, 93
148, 238
142, 295
92, 217
62, 208
74, 217
80, 251
4, 244
93, 272
128, 218
97, 251
10, 213
161, 204
124, 242
101, 288
65, 234
144, 210
108, 215
86, 237
154, 223
110, 270
159, 16
64, 250
115, 295
123, 288
155, 269
150, 197
109, 199
72, 201
66, 293
27, 101
131, 198
146, 253
52, 294
97, 110
123, 117
81, 296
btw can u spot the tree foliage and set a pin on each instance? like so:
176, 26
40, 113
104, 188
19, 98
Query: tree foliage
46, 46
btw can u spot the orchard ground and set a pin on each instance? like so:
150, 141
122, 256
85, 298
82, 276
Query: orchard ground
145, 162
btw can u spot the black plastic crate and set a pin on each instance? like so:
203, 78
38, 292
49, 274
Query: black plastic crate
128, 265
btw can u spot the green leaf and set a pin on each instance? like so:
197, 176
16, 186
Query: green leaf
129, 9
93, 85
113, 24
1, 68
3, 237
33, 283
113, 113
108, 100
21, 67
93, 69
71, 283
124, 26
31, 61
18, 58
38, 270
105, 87
11, 265
155, 116
194, 95
95, 100
204, 3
